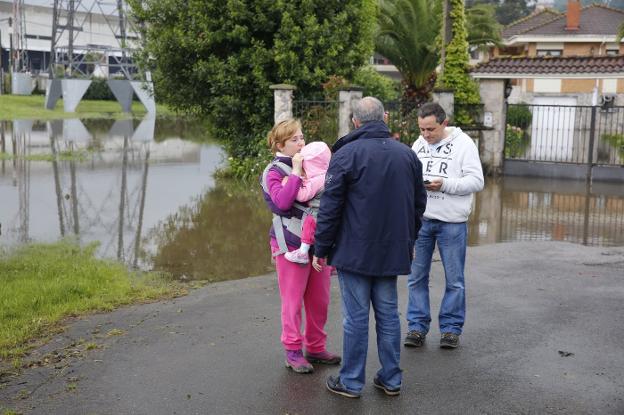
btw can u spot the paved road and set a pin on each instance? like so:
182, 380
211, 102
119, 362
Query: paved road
217, 351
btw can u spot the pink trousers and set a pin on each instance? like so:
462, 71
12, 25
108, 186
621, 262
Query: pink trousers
309, 227
301, 285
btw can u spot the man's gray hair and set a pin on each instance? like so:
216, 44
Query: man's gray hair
368, 109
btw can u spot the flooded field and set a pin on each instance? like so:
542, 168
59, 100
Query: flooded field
145, 191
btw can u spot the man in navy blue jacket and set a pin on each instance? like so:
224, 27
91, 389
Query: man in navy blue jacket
367, 224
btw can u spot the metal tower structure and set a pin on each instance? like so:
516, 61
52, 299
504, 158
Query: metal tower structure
20, 55
72, 63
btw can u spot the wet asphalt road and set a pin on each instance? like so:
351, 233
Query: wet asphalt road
217, 350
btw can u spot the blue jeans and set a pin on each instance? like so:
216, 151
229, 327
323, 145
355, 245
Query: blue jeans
358, 292
451, 239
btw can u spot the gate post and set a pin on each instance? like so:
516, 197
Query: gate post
346, 98
592, 138
491, 147
283, 101
446, 99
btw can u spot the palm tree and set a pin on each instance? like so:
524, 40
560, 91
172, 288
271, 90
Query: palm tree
483, 29
407, 32
408, 35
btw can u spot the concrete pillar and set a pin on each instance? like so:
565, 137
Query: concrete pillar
346, 99
283, 101
21, 83
491, 146
123, 91
145, 92
446, 99
54, 91
73, 91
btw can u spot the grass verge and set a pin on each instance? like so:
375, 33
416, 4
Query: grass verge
44, 283
14, 107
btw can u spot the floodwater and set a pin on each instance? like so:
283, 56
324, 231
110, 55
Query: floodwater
145, 191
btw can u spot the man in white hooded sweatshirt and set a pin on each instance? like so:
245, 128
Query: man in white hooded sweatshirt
451, 173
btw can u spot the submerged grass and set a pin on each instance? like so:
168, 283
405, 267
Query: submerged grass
14, 107
44, 283
79, 155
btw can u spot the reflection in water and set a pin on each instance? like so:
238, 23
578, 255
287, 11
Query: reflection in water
155, 204
103, 194
223, 235
525, 209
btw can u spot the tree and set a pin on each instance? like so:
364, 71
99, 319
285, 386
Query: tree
407, 32
218, 58
620, 34
455, 71
483, 29
507, 11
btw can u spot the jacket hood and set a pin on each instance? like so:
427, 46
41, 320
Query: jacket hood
316, 156
373, 129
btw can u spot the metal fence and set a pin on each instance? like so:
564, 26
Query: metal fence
587, 135
319, 119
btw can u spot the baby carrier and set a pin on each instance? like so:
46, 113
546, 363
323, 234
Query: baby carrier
294, 224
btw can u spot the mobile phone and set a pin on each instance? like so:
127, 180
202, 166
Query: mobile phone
426, 182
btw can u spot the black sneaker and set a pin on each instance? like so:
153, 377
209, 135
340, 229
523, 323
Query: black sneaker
449, 340
388, 390
414, 338
334, 385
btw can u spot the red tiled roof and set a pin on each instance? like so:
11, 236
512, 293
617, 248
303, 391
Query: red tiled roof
595, 19
551, 65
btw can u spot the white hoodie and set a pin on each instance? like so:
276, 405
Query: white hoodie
455, 160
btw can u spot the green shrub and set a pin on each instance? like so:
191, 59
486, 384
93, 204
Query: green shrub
218, 59
516, 141
616, 141
519, 115
376, 84
99, 90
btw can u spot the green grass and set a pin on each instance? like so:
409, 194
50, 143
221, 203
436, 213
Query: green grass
79, 155
14, 107
44, 283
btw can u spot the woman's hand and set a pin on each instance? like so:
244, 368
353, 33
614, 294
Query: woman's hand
297, 161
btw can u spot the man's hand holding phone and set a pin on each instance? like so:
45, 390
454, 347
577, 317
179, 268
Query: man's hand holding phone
433, 185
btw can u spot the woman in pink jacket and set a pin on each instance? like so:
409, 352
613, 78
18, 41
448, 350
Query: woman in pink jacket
299, 284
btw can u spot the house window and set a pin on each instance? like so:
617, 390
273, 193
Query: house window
474, 53
549, 52
613, 52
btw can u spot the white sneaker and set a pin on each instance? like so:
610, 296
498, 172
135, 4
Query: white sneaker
297, 256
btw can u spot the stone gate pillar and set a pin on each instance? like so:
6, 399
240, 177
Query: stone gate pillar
491, 146
283, 101
446, 99
347, 97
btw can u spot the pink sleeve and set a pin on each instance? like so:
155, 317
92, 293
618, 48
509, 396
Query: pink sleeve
310, 188
283, 196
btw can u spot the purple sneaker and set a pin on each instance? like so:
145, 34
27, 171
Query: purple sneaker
298, 363
323, 357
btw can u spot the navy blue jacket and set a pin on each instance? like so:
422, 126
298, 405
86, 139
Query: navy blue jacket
372, 205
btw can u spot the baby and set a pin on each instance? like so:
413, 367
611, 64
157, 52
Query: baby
316, 156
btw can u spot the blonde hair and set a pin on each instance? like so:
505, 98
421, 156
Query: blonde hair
282, 132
